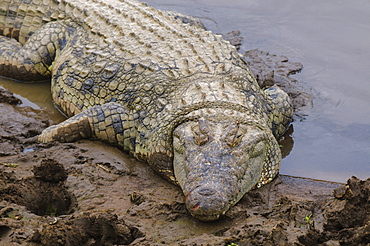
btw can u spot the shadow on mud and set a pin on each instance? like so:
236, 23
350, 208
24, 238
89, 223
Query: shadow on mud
96, 228
44, 193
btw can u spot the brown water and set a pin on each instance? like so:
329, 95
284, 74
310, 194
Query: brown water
34, 96
331, 39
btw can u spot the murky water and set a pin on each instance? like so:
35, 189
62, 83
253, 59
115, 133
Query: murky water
34, 96
332, 40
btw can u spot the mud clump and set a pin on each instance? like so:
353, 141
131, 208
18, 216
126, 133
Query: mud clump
50, 171
8, 97
234, 38
348, 217
97, 228
355, 199
43, 194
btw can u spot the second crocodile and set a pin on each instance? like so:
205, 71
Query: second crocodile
169, 93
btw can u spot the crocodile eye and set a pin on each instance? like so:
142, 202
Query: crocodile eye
234, 134
200, 138
233, 140
200, 132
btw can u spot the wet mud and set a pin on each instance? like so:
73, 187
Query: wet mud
90, 193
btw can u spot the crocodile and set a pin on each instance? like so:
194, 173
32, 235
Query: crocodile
167, 92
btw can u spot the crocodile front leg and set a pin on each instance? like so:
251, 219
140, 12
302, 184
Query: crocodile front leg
280, 109
109, 122
33, 61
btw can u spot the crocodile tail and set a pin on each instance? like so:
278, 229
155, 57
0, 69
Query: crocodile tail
19, 19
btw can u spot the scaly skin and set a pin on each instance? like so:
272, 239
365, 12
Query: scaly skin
172, 94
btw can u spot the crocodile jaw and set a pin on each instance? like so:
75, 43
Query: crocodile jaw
216, 163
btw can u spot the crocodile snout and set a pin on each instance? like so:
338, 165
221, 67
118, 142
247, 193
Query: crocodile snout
207, 203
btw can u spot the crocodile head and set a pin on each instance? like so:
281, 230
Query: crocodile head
216, 163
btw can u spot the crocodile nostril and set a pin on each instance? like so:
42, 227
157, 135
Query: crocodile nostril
206, 191
207, 203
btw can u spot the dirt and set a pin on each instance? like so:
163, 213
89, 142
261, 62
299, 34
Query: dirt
90, 193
